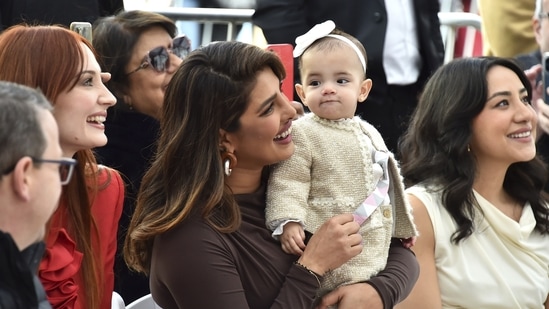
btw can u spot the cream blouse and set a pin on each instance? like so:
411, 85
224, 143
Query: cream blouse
503, 264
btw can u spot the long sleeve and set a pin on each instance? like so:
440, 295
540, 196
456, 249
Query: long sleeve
396, 281
289, 184
59, 268
106, 211
244, 269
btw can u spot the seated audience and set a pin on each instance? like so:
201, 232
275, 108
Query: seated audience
223, 123
141, 52
30, 185
77, 267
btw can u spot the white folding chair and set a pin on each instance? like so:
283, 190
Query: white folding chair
145, 302
117, 302
450, 22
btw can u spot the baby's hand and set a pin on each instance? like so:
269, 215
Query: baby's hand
292, 238
409, 242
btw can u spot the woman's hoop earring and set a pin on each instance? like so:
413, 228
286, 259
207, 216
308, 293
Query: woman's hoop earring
229, 162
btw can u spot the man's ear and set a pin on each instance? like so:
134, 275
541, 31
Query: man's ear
22, 178
365, 88
225, 141
536, 26
301, 93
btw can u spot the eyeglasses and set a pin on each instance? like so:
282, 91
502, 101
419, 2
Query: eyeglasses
543, 15
66, 167
159, 58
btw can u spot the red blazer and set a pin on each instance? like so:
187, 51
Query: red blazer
60, 266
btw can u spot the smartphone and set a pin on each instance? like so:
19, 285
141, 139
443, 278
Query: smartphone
82, 28
285, 52
545, 75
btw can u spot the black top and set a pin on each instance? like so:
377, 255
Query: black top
20, 288
131, 144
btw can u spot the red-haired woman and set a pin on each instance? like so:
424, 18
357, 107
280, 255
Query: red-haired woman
77, 269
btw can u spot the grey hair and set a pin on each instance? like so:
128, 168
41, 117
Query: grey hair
20, 128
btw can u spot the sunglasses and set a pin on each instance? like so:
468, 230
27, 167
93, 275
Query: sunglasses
159, 57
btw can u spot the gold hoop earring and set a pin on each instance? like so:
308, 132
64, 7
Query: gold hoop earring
229, 162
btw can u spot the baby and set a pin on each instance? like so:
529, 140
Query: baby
341, 163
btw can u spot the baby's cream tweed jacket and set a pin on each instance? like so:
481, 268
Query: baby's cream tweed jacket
331, 173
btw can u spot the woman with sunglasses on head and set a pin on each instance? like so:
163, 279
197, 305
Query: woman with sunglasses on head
139, 50
199, 226
77, 268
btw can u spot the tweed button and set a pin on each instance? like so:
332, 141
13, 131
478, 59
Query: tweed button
387, 213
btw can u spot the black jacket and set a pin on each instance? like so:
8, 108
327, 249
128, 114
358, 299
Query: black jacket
20, 288
55, 11
528, 60
284, 20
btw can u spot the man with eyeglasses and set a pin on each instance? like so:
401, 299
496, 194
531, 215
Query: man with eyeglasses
30, 186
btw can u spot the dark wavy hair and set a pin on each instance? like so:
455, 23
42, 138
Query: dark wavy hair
434, 149
209, 92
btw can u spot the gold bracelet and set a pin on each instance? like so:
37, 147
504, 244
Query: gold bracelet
317, 276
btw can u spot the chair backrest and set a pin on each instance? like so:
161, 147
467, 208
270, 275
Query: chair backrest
145, 302
117, 302
460, 26
450, 23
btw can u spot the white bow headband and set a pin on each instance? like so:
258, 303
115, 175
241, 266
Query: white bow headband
320, 31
